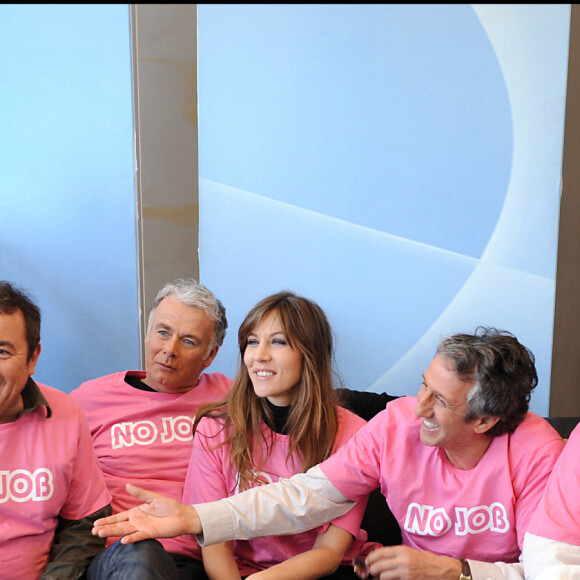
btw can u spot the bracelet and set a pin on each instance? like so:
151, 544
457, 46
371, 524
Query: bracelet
465, 570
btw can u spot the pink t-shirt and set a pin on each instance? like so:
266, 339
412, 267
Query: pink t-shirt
212, 476
558, 514
480, 513
144, 437
48, 469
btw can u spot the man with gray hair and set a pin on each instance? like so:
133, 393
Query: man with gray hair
141, 421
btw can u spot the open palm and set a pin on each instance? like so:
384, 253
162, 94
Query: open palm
158, 517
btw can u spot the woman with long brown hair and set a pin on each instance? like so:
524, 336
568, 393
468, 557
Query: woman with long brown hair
280, 418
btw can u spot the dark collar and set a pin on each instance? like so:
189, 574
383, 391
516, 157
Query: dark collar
33, 398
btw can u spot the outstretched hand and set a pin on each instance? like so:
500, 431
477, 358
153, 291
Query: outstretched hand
158, 517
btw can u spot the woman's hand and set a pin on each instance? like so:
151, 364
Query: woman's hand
158, 517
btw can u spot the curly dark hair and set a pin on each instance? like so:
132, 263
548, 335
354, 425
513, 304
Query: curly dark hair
504, 372
13, 299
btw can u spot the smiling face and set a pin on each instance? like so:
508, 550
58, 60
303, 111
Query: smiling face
275, 368
177, 347
15, 366
441, 405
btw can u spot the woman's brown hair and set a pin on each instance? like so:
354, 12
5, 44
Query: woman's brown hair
312, 422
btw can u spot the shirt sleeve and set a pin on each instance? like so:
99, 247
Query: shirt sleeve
206, 480
530, 482
289, 506
556, 516
496, 571
74, 547
87, 491
546, 559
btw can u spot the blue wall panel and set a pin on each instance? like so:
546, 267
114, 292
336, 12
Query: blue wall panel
400, 164
67, 204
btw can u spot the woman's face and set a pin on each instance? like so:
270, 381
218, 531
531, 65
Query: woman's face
275, 368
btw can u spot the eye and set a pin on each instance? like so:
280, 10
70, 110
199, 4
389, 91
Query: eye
279, 341
188, 342
440, 400
4, 353
162, 333
252, 341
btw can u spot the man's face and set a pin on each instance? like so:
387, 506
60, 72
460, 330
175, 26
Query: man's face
15, 368
441, 405
177, 346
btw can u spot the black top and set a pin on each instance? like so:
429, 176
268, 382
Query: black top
280, 415
364, 403
136, 382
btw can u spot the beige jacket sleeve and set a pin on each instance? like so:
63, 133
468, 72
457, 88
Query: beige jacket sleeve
289, 506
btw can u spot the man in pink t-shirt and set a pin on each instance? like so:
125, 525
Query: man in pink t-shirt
141, 421
462, 466
552, 542
51, 486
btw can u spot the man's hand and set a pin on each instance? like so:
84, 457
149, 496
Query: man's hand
404, 563
158, 517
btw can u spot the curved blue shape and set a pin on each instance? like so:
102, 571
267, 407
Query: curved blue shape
397, 163
396, 116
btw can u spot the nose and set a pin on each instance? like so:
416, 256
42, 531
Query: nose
171, 346
262, 353
424, 406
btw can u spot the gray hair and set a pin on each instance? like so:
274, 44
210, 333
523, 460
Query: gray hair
191, 293
503, 371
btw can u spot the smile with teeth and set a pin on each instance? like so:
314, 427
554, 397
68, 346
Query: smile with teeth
429, 425
265, 373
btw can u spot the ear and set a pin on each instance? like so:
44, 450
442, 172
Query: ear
31, 364
210, 356
484, 424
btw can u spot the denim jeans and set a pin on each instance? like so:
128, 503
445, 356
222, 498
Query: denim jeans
146, 560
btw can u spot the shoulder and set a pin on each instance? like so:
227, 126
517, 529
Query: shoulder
535, 443
215, 377
212, 429
51, 394
216, 381
396, 426
397, 412
574, 438
112, 380
534, 431
348, 424
348, 419
395, 423
568, 466
62, 404
211, 425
